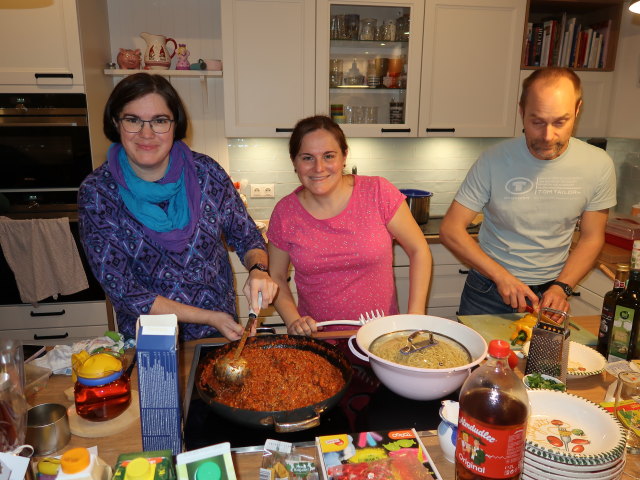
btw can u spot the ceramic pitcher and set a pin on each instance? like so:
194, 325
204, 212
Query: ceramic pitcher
157, 56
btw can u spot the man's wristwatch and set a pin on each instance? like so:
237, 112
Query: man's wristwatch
567, 289
259, 266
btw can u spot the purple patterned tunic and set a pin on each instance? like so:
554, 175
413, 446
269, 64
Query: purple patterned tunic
134, 269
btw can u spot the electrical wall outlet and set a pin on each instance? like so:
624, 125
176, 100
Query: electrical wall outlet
262, 190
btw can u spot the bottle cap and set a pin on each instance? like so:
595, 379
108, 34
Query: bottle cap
75, 460
208, 471
499, 348
139, 469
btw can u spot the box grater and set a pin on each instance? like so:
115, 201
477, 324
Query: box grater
549, 346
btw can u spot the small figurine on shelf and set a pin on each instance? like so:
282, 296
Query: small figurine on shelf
183, 57
129, 59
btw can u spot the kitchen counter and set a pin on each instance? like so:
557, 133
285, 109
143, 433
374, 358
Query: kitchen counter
247, 463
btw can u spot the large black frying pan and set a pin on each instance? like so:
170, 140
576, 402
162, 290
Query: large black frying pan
283, 420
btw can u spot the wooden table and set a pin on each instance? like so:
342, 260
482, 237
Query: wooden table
592, 388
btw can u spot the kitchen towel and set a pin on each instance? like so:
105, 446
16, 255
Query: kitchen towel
43, 256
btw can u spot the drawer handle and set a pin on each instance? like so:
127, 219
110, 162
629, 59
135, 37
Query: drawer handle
575, 294
395, 130
463, 272
53, 75
48, 314
49, 337
441, 130
284, 130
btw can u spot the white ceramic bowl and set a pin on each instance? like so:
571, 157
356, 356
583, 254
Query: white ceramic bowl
419, 383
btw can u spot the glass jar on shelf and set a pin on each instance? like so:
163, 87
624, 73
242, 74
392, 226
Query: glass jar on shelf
368, 29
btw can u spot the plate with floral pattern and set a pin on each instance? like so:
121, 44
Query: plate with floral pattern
571, 430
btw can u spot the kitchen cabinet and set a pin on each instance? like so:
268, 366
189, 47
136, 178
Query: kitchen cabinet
470, 68
593, 120
54, 323
447, 281
368, 66
583, 19
589, 293
269, 65
41, 47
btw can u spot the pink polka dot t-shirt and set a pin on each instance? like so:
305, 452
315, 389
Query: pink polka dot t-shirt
343, 265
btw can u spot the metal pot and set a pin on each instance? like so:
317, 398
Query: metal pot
418, 201
284, 420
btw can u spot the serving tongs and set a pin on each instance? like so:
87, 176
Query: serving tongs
412, 347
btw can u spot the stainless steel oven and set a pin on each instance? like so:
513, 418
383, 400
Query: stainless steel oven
44, 147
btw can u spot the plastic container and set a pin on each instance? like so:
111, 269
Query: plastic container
36, 378
622, 231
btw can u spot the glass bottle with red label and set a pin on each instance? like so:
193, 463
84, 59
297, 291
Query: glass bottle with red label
492, 424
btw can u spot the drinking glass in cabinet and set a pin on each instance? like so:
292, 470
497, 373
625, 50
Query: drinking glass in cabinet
373, 77
402, 28
352, 26
338, 28
335, 72
371, 114
387, 31
368, 28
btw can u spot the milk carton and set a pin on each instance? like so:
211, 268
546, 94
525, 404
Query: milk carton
157, 357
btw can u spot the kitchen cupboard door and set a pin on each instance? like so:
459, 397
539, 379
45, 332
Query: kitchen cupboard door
369, 71
470, 67
593, 120
269, 65
40, 47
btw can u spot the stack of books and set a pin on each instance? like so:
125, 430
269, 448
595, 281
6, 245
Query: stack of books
565, 42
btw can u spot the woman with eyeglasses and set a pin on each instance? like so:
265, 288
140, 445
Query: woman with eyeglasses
153, 218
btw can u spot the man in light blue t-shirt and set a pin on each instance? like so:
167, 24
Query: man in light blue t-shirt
532, 192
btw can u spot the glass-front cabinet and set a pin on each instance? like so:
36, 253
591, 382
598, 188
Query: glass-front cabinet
368, 65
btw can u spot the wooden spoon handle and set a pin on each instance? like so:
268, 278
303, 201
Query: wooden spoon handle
604, 269
245, 334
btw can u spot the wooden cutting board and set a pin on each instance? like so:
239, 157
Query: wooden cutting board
84, 428
499, 327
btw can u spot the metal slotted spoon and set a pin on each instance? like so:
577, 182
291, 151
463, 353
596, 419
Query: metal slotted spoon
232, 368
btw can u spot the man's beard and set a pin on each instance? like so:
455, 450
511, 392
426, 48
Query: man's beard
541, 149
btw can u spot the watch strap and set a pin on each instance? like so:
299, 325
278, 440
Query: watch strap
259, 266
567, 289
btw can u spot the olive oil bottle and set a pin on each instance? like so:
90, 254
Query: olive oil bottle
626, 321
609, 307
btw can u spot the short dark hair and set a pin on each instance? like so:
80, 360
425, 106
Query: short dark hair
136, 86
550, 74
311, 124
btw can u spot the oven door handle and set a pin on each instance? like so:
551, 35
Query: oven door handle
45, 124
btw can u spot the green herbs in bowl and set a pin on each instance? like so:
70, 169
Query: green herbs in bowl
540, 380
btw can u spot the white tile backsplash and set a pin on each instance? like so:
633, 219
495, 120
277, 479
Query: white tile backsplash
435, 164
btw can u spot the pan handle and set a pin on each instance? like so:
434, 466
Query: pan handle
297, 426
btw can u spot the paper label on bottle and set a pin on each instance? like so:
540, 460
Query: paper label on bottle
488, 450
620, 342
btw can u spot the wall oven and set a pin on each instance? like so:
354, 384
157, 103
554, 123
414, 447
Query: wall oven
44, 147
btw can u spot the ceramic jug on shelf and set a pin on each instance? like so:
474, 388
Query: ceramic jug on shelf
157, 56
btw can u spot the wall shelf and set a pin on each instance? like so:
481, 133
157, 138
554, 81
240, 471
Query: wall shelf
202, 74
120, 72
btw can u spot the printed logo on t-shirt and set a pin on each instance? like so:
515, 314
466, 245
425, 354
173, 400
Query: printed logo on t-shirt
519, 188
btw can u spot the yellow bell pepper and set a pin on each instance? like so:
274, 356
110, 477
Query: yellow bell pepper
523, 329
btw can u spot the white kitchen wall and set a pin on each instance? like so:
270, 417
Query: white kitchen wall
434, 164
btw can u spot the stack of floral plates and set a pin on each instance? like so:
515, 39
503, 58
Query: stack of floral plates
569, 437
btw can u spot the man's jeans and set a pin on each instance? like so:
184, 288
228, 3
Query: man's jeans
480, 296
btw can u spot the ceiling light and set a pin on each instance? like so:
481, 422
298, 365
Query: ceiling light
635, 7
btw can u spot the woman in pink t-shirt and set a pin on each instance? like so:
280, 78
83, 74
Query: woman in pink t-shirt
337, 230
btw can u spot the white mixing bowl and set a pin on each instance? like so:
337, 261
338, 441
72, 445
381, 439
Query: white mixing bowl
412, 382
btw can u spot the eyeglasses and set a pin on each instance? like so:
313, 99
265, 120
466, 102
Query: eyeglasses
135, 124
